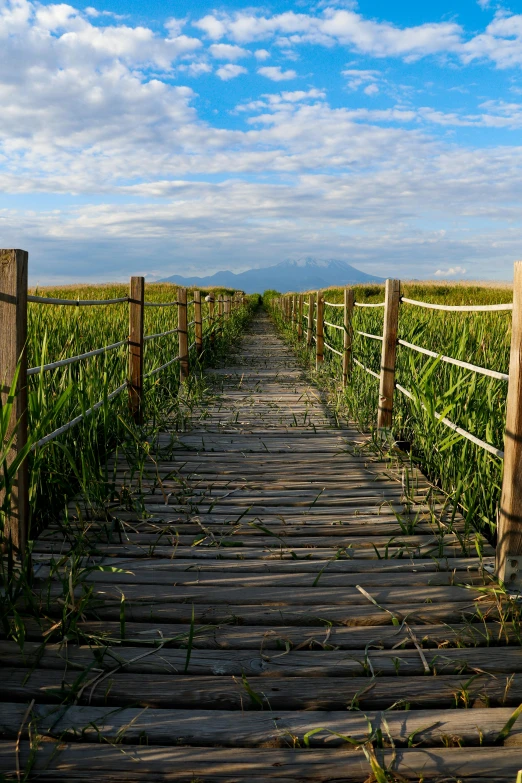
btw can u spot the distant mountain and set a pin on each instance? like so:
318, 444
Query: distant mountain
303, 275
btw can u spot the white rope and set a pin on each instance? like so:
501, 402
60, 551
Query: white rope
158, 369
371, 336
332, 349
76, 302
331, 304
367, 304
334, 326
73, 359
359, 364
161, 334
452, 426
78, 419
160, 304
501, 376
460, 308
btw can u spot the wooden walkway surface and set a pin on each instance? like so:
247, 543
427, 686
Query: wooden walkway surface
288, 607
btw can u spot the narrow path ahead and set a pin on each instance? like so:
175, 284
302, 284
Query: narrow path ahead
283, 587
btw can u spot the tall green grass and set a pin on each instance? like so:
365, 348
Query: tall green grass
76, 460
474, 402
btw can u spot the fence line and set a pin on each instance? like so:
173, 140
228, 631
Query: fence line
75, 302
459, 308
509, 549
74, 359
14, 299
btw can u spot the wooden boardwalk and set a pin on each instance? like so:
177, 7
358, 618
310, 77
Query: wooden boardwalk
287, 607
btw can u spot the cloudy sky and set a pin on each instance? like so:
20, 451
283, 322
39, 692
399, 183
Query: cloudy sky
152, 138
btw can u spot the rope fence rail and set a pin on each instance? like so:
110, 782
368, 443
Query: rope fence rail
509, 550
76, 302
74, 359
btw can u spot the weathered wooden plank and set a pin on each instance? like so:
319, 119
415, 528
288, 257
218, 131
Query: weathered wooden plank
163, 574
291, 693
318, 636
262, 596
73, 761
479, 727
292, 663
281, 614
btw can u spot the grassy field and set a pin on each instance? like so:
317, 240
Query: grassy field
75, 460
476, 403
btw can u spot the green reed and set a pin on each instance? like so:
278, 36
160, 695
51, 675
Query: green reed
474, 402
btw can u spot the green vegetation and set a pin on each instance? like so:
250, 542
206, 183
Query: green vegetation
75, 461
466, 472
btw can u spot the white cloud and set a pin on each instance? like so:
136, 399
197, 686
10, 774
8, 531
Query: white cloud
195, 68
230, 71
261, 54
175, 26
501, 42
275, 73
451, 272
380, 39
90, 110
212, 26
227, 52
357, 77
371, 89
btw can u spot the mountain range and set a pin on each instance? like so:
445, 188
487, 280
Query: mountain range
302, 275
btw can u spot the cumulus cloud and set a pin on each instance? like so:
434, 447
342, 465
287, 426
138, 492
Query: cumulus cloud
230, 71
451, 272
276, 74
356, 77
261, 54
381, 39
227, 52
92, 110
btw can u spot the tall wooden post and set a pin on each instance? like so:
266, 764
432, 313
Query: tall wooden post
389, 353
220, 309
300, 318
349, 299
319, 332
294, 311
310, 322
210, 299
509, 546
13, 354
198, 323
227, 308
136, 322
183, 334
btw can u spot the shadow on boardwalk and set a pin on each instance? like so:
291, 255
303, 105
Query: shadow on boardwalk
277, 594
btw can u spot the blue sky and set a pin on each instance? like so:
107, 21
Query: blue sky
146, 138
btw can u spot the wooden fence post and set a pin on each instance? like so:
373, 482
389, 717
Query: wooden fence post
227, 307
300, 318
294, 311
13, 331
198, 323
509, 546
319, 332
389, 352
349, 299
183, 334
220, 309
310, 322
136, 325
